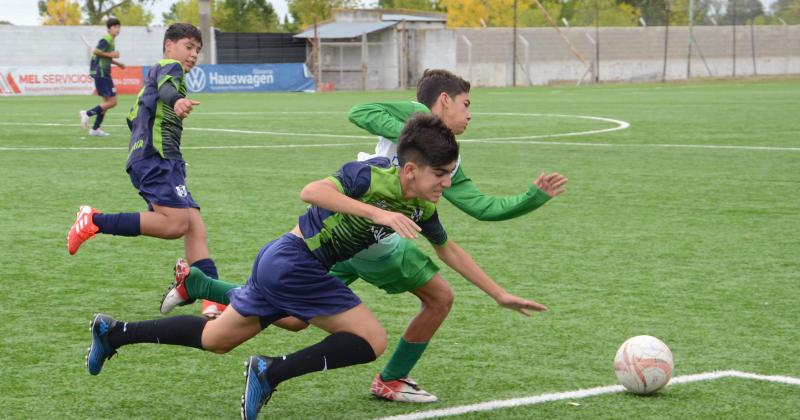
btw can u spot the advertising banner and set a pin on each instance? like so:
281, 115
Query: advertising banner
128, 80
291, 77
45, 81
64, 80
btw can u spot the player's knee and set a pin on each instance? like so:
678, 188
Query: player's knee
213, 344
378, 340
176, 228
441, 301
217, 348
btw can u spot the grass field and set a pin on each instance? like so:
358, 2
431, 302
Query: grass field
684, 225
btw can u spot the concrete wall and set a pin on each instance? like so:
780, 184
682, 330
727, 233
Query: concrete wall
63, 45
625, 54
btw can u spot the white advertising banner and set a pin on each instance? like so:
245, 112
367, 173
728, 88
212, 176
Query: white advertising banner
46, 81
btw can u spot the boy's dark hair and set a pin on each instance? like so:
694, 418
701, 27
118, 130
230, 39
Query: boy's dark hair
112, 22
435, 81
426, 141
178, 31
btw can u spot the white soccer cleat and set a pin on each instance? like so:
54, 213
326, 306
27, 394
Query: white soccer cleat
176, 294
400, 390
98, 133
84, 120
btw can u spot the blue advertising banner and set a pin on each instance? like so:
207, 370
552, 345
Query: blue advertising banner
217, 78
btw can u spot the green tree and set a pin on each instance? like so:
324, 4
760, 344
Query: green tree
247, 16
533, 16
601, 12
306, 12
97, 11
189, 11
133, 14
227, 15
788, 10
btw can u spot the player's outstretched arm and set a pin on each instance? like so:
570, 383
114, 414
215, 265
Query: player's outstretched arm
465, 195
325, 194
385, 119
458, 259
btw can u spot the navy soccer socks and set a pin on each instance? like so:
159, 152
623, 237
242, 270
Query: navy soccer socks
335, 351
122, 224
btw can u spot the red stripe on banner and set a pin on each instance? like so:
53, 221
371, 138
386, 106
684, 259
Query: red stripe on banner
13, 84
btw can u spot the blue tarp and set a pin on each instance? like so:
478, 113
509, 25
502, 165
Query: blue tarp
217, 78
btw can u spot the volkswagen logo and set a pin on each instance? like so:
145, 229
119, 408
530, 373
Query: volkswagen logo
196, 80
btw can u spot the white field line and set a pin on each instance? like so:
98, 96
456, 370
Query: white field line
583, 393
498, 140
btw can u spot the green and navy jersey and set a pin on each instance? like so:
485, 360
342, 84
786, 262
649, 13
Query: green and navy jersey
101, 66
155, 128
334, 237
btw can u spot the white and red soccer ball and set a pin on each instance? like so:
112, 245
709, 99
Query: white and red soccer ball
643, 364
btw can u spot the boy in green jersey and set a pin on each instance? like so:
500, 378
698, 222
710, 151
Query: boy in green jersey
394, 264
360, 205
397, 265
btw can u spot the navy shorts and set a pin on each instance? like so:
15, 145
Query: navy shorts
162, 182
288, 280
105, 86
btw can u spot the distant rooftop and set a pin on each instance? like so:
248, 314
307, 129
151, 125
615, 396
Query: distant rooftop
351, 23
334, 30
414, 18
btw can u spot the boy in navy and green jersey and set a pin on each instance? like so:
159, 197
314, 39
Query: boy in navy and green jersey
397, 265
100, 69
363, 203
155, 164
155, 127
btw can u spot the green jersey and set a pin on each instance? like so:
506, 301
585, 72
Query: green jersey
387, 120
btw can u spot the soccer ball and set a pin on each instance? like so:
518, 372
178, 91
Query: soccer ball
643, 364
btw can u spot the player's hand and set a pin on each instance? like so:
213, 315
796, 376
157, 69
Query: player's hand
551, 184
114, 54
399, 223
516, 303
120, 65
184, 106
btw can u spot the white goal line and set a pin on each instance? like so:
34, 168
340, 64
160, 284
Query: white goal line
584, 393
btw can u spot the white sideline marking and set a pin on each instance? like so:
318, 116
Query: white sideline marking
498, 140
583, 393
264, 146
